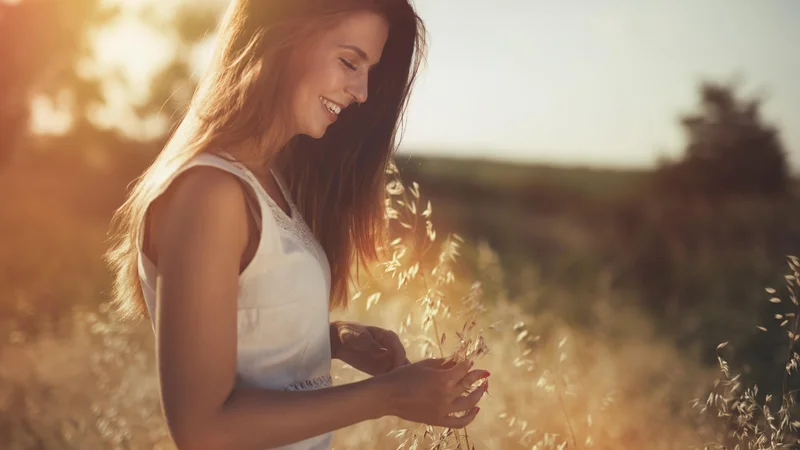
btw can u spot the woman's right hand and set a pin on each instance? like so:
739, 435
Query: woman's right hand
430, 390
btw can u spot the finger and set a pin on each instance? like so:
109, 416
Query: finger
441, 364
473, 376
459, 370
446, 363
365, 342
406, 362
393, 343
460, 422
466, 402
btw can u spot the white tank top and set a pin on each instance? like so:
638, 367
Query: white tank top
283, 339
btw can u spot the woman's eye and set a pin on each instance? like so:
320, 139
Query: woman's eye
348, 64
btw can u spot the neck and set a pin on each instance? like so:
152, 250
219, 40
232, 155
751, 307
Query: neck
257, 157
258, 153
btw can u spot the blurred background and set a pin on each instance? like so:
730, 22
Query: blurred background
623, 173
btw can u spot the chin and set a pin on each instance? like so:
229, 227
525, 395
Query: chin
316, 133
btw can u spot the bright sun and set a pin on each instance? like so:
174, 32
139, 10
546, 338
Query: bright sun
131, 46
134, 50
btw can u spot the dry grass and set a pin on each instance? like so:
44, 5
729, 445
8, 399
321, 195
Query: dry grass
617, 386
747, 416
552, 386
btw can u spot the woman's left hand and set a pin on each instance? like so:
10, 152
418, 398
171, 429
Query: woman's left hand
372, 350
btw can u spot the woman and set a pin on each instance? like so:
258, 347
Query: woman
238, 240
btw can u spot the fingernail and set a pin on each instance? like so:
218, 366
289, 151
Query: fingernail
486, 375
471, 363
478, 410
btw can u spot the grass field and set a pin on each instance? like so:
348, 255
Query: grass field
578, 361
508, 178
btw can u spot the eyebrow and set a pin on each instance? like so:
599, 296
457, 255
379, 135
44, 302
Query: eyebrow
361, 53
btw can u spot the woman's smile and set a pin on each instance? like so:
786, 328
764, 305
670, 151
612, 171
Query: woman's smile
331, 108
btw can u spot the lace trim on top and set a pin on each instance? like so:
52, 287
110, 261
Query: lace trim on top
294, 224
314, 383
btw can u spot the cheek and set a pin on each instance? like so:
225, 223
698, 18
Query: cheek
326, 79
314, 80
304, 96
309, 91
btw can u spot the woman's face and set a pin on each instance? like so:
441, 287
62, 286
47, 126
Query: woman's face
333, 71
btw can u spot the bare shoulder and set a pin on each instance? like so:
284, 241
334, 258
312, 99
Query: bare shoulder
200, 230
202, 188
203, 203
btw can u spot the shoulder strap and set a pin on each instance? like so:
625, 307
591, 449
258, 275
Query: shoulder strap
256, 204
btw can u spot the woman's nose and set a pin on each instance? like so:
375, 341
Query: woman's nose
359, 89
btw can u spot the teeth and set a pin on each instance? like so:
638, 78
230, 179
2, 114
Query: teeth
332, 107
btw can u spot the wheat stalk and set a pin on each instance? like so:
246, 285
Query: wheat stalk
408, 217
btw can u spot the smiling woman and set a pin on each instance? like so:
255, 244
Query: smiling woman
240, 238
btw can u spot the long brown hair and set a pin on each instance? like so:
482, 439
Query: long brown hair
338, 182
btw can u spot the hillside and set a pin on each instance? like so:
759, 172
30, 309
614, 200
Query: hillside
517, 179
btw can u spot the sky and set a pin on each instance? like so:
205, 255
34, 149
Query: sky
570, 82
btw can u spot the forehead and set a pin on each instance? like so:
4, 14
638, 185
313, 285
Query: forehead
365, 30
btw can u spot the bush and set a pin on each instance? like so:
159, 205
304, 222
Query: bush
730, 151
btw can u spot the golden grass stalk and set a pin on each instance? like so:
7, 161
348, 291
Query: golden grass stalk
751, 422
403, 206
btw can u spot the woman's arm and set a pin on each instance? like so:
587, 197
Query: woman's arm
258, 418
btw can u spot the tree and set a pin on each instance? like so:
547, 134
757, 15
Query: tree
729, 151
172, 88
41, 45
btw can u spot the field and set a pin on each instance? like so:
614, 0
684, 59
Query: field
582, 353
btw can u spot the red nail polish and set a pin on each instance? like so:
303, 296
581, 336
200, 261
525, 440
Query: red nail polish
486, 375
